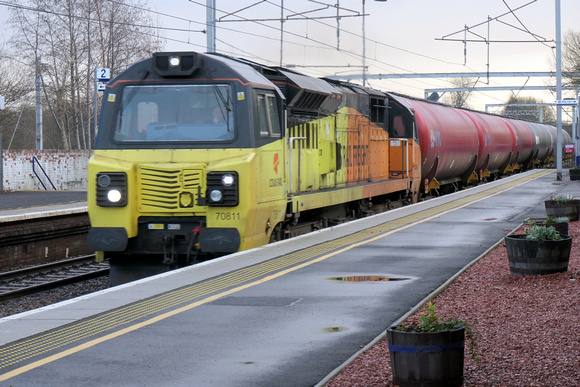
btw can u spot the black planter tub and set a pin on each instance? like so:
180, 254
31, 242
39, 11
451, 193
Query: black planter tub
537, 257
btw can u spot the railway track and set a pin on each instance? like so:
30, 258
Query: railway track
18, 283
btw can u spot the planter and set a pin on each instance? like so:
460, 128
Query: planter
537, 257
561, 227
558, 208
574, 174
427, 358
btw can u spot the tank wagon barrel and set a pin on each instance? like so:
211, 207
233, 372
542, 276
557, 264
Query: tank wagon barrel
461, 146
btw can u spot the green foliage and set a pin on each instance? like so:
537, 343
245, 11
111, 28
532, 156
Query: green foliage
549, 219
430, 322
544, 233
562, 198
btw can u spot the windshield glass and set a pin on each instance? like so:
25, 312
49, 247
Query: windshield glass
175, 113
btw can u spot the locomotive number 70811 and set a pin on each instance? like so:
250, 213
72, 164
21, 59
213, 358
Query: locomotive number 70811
227, 216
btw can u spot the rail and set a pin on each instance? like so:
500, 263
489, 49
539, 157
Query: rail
36, 279
35, 161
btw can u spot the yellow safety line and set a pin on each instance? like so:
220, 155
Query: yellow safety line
162, 299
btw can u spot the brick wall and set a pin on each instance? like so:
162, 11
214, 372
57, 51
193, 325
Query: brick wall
67, 170
32, 242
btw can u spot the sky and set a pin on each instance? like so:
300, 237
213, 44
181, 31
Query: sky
402, 36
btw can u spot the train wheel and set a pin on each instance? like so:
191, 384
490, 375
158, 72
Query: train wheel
277, 234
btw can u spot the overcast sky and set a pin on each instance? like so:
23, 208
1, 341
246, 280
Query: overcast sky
401, 37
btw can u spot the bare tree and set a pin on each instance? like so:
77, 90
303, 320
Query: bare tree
15, 86
13, 83
528, 113
459, 98
65, 40
571, 56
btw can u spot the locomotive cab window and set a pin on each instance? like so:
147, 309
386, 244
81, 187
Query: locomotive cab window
399, 125
378, 111
268, 117
175, 113
401, 122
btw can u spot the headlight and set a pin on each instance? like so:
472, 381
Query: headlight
114, 195
111, 189
174, 61
103, 181
176, 64
222, 189
215, 195
228, 180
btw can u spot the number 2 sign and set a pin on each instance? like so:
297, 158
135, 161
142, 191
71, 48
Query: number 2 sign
103, 74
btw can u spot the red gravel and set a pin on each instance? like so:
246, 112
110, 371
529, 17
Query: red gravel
529, 327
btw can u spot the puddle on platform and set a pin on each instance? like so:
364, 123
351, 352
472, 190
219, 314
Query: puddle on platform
367, 278
335, 329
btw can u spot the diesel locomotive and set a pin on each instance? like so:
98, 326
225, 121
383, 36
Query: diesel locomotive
199, 155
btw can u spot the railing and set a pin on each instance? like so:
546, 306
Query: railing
35, 161
290, 142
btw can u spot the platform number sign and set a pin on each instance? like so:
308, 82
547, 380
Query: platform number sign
102, 76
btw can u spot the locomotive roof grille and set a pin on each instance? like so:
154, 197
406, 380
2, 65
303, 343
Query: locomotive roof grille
175, 64
308, 100
311, 94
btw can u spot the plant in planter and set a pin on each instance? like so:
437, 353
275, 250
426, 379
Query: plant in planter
574, 173
562, 206
431, 351
541, 250
560, 224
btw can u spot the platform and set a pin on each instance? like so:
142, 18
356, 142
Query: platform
21, 205
286, 314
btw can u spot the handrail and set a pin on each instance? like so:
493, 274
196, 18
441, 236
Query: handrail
291, 141
34, 159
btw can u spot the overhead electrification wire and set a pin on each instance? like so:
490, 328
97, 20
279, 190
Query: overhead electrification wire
324, 45
203, 24
378, 63
321, 43
525, 28
370, 40
41, 10
47, 11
